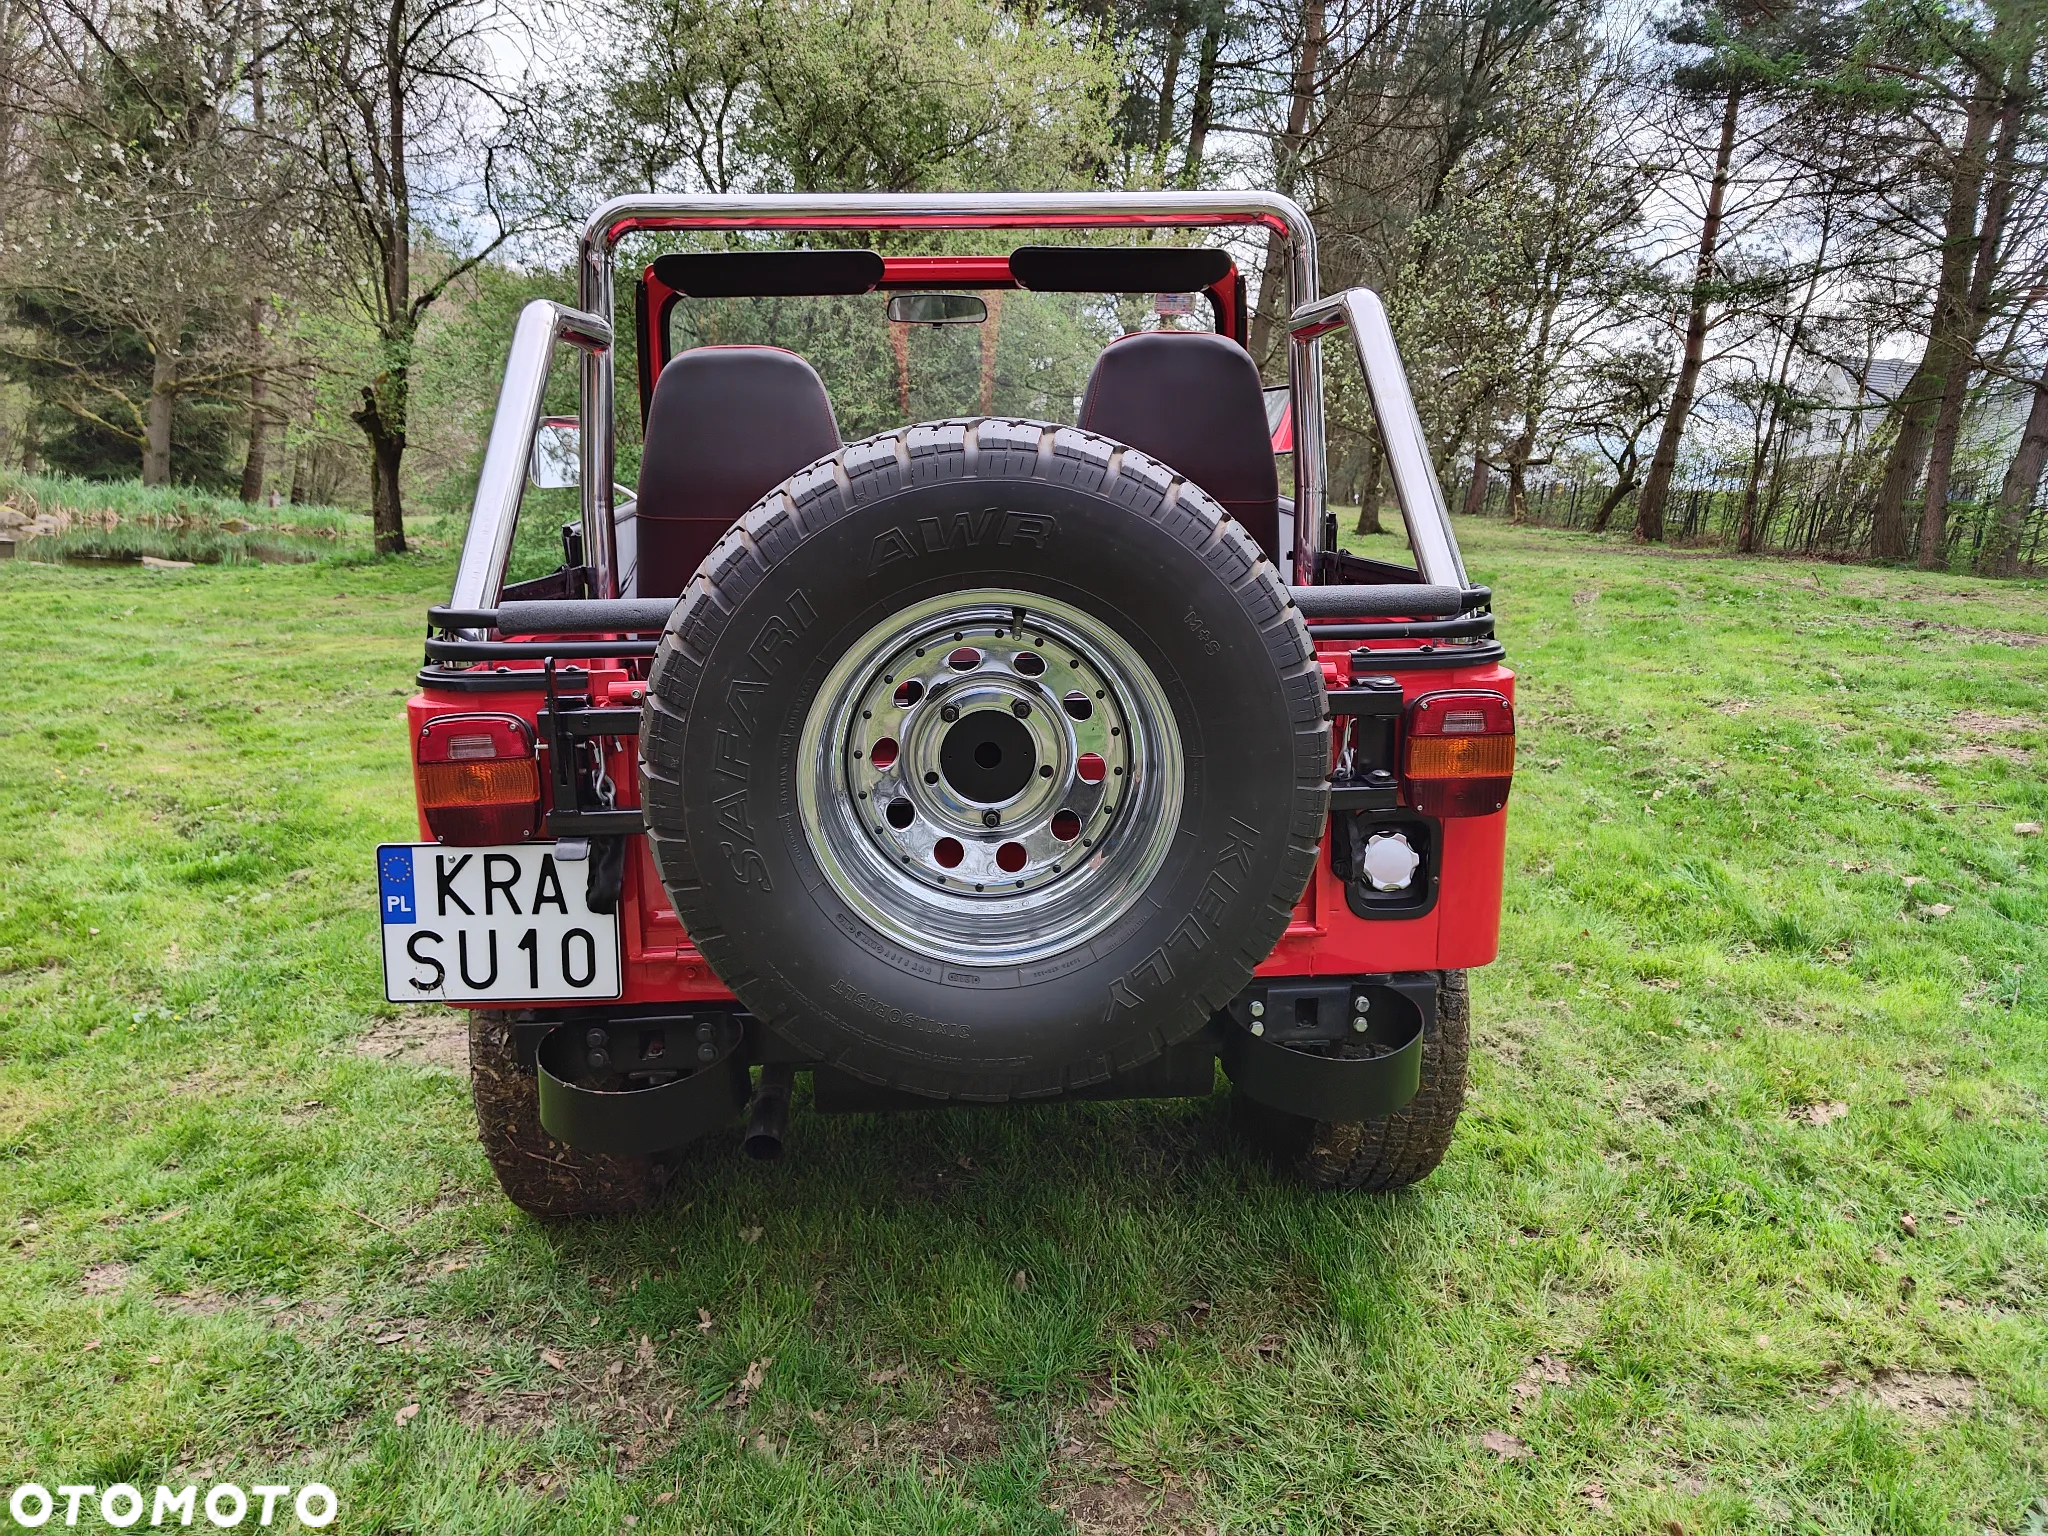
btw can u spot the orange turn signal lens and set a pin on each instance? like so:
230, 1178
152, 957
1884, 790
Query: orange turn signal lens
1460, 757
486, 782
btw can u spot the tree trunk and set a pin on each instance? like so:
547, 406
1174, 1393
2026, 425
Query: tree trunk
1969, 329
1920, 400
382, 418
1475, 493
1204, 110
163, 399
1664, 463
2001, 553
254, 465
989, 331
1369, 489
1614, 498
257, 461
899, 346
1272, 278
1518, 462
1169, 87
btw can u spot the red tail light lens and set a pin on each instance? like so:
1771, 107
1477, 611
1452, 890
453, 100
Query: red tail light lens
478, 780
1460, 756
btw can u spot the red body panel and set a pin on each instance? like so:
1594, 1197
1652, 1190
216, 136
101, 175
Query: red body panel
661, 965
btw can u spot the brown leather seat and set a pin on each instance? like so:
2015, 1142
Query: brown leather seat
1193, 400
725, 427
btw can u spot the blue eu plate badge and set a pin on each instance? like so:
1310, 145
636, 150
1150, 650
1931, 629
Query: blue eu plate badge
394, 885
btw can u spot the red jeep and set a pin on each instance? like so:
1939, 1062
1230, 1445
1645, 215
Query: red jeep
1030, 746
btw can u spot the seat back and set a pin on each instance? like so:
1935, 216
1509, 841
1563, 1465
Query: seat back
726, 426
1193, 401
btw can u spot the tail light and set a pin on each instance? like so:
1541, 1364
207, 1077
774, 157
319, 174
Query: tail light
1460, 757
479, 783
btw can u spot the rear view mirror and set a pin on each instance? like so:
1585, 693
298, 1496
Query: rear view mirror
557, 454
937, 309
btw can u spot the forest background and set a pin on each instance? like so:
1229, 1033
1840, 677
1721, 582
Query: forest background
1767, 273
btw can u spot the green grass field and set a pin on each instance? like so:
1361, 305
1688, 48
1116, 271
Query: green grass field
1746, 1228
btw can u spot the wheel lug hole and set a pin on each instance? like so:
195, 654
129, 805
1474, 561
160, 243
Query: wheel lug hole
991, 819
931, 778
1045, 770
950, 713
1020, 709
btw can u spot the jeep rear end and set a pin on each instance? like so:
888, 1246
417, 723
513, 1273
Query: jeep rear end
983, 759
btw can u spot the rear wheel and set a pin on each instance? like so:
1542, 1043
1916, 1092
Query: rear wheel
541, 1175
1389, 1153
985, 760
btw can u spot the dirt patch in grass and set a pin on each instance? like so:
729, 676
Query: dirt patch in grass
624, 1396
437, 1038
1102, 1498
1921, 1397
104, 1279
203, 1302
964, 1429
1925, 1397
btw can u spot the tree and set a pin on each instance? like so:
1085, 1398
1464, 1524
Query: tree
1624, 392
154, 216
2022, 484
403, 130
869, 95
1959, 336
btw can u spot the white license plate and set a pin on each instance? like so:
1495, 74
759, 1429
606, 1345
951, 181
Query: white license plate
505, 925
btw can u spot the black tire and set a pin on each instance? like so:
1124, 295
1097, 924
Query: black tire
541, 1175
915, 515
1383, 1155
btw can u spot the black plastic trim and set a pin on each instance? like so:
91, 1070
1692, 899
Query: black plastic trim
1393, 600
625, 823
1302, 1076
1479, 627
632, 1120
486, 680
537, 650
1477, 653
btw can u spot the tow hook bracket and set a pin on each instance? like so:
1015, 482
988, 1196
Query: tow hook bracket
703, 1094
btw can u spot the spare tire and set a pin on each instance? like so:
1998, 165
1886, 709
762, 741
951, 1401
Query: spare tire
985, 759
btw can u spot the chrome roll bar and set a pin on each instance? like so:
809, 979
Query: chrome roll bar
1416, 488
501, 483
937, 210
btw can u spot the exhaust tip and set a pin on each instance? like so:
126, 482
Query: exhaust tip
768, 1121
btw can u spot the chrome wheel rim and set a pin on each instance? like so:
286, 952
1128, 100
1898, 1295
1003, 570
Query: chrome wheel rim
990, 777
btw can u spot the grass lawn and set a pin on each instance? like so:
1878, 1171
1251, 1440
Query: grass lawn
1746, 1227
